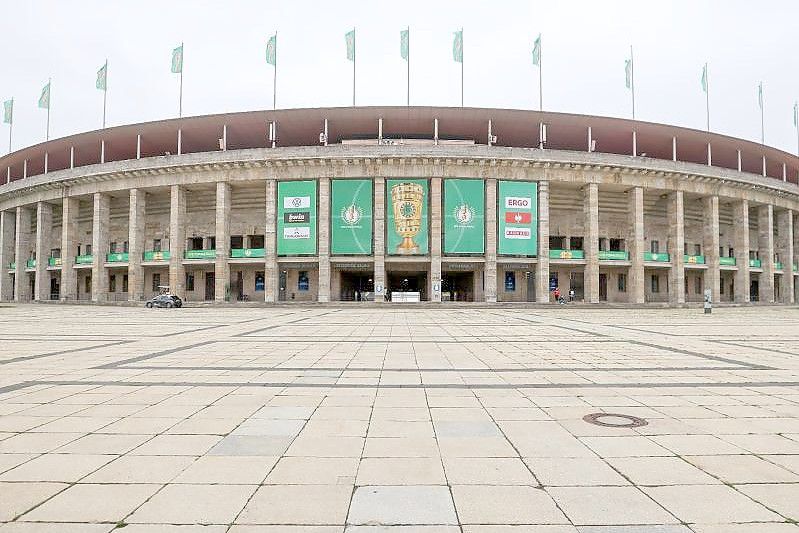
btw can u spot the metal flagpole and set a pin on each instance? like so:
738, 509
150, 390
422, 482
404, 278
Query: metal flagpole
49, 101
274, 78
632, 78
462, 66
707, 96
762, 123
180, 99
105, 90
353, 67
408, 90
795, 123
11, 125
540, 80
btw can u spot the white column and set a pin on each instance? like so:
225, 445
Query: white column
490, 267
542, 268
270, 242
221, 262
136, 234
591, 242
22, 288
741, 239
69, 248
323, 222
435, 239
177, 240
676, 248
379, 238
710, 243
101, 220
635, 245
44, 225
6, 253
765, 243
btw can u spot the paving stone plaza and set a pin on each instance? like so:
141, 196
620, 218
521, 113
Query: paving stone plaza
399, 419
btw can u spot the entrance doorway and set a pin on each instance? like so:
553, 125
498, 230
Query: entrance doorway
576, 284
357, 287
407, 282
457, 287
603, 287
754, 290
55, 289
210, 285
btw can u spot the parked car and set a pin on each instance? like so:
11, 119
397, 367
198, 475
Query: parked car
164, 300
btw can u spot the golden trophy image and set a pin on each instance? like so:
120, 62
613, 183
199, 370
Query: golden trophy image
407, 201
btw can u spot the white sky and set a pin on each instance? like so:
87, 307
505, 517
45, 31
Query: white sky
585, 44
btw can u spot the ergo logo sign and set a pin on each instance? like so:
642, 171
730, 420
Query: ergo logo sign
516, 202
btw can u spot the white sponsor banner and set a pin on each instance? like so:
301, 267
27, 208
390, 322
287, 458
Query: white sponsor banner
296, 202
297, 232
518, 202
518, 233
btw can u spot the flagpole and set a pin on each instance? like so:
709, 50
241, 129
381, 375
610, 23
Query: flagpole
707, 96
408, 77
540, 79
105, 90
762, 122
11, 125
353, 67
180, 98
49, 101
462, 66
274, 78
632, 79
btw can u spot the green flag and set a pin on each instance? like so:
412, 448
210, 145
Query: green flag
102, 77
760, 95
457, 47
271, 50
537, 51
704, 78
8, 111
628, 73
349, 37
405, 37
44, 99
177, 60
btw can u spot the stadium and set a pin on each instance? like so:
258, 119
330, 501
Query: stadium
397, 204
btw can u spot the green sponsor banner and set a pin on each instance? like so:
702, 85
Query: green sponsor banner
464, 216
296, 218
351, 217
406, 217
517, 228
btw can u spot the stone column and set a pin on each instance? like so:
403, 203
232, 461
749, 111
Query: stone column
44, 225
380, 238
7, 221
765, 243
740, 216
591, 242
635, 244
710, 244
490, 276
435, 240
785, 224
22, 288
542, 268
177, 240
101, 221
270, 242
137, 221
675, 212
69, 247
222, 264
323, 223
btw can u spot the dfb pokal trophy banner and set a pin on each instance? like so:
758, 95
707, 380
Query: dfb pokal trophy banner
407, 217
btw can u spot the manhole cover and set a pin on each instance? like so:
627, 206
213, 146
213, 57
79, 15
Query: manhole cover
615, 420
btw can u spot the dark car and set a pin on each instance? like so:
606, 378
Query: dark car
164, 300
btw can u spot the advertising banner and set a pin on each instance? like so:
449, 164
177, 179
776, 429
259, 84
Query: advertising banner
464, 216
407, 217
518, 218
296, 218
351, 217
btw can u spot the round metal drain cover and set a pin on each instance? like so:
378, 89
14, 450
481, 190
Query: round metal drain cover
615, 420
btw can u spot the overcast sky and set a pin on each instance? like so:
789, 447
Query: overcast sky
585, 44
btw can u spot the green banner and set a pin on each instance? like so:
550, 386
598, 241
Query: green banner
406, 217
464, 216
517, 220
296, 218
351, 217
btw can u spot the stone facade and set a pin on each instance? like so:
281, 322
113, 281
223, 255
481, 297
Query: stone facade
630, 232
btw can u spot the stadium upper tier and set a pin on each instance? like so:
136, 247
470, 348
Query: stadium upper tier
415, 126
